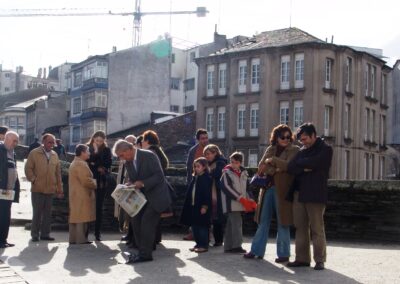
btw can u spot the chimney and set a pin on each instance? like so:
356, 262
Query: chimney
39, 74
332, 39
44, 73
114, 49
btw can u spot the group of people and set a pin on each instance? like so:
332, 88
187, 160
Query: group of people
217, 193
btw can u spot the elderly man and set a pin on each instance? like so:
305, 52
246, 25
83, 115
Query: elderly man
9, 185
42, 169
145, 174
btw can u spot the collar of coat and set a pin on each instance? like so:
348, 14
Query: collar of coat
238, 172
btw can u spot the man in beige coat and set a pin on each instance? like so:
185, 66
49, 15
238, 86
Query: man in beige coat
82, 199
42, 169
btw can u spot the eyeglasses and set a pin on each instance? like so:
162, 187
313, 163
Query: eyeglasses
288, 137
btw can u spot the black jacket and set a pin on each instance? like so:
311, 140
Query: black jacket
101, 159
311, 185
191, 213
4, 172
216, 173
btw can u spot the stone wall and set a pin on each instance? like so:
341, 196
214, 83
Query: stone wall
357, 210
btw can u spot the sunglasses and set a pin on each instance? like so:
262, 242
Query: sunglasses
288, 137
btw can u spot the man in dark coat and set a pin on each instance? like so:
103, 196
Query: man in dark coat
35, 144
145, 173
311, 170
9, 185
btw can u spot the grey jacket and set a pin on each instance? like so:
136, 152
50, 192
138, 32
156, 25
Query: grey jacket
149, 171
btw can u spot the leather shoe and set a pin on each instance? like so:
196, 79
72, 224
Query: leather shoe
6, 245
48, 238
298, 264
319, 266
35, 239
98, 239
137, 259
125, 238
281, 259
251, 255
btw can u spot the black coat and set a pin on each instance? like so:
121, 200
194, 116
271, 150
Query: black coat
311, 185
216, 168
191, 214
4, 172
102, 158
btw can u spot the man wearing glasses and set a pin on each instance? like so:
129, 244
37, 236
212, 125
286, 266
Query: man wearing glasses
311, 169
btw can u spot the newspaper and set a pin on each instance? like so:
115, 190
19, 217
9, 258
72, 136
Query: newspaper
130, 199
7, 194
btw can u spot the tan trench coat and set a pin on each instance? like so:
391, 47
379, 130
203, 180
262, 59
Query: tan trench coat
282, 180
82, 200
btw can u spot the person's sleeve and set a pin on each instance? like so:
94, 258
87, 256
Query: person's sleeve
107, 158
320, 161
282, 164
157, 176
58, 176
228, 189
269, 153
30, 168
86, 178
293, 168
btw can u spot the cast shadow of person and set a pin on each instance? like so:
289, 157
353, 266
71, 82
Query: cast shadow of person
33, 256
164, 269
96, 257
236, 269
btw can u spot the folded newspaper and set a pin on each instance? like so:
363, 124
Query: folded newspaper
130, 199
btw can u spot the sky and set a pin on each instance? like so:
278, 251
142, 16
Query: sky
36, 42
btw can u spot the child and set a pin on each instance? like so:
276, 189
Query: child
197, 206
234, 201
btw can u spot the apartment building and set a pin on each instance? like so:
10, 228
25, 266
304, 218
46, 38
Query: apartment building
289, 76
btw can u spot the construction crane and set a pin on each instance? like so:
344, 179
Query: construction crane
137, 15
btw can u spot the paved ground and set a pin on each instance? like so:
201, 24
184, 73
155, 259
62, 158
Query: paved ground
103, 262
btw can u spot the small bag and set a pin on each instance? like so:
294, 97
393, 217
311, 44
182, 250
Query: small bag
261, 181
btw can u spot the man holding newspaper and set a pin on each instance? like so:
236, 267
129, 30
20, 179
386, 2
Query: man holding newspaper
145, 175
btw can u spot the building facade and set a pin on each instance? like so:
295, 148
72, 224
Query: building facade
288, 76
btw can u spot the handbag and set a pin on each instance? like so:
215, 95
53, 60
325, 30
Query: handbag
261, 181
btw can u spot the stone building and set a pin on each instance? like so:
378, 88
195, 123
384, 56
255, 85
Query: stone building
289, 76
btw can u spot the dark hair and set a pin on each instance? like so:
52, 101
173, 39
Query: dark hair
306, 128
139, 140
80, 148
213, 149
98, 134
237, 156
151, 137
199, 132
47, 135
3, 130
278, 131
202, 161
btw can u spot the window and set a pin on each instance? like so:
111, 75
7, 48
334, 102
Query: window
285, 71
76, 134
254, 119
372, 166
372, 125
366, 79
299, 70
222, 79
99, 125
241, 114
328, 120
383, 89
255, 75
381, 167
349, 67
328, 73
221, 123
189, 84
347, 120
77, 79
7, 75
373, 81
366, 166
346, 164
367, 124
174, 83
20, 122
94, 99
6, 89
382, 130
253, 158
192, 56
210, 121
173, 58
76, 105
242, 76
210, 80
284, 112
298, 113
12, 122
174, 108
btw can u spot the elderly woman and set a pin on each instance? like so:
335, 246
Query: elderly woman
82, 199
272, 200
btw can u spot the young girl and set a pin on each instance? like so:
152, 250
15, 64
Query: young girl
197, 206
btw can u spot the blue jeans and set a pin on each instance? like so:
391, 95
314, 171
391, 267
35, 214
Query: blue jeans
200, 235
261, 237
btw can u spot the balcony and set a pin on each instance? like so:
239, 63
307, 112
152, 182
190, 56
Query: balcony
100, 83
94, 112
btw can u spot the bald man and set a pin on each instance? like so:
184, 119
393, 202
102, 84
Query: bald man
9, 185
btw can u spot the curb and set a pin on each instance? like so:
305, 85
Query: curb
7, 275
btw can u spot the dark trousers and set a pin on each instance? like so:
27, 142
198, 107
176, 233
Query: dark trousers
41, 220
100, 194
5, 218
144, 228
218, 231
200, 235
